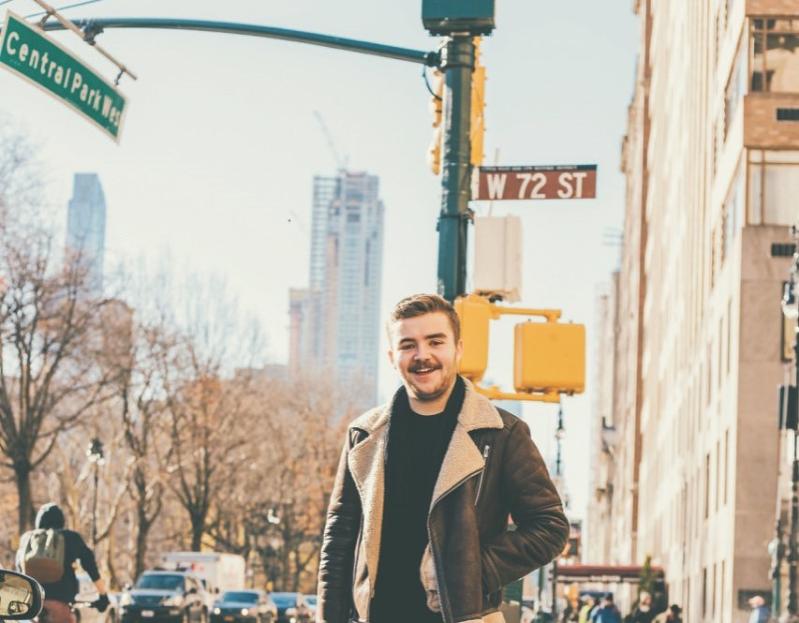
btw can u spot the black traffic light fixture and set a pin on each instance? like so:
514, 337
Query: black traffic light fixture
448, 17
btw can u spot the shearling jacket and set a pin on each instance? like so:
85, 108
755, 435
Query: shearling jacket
491, 470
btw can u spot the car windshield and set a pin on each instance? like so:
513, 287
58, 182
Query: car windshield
310, 600
160, 581
284, 600
243, 597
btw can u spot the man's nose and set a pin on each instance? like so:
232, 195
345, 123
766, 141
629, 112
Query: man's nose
422, 353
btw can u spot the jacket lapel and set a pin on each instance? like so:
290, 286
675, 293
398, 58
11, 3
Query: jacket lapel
367, 466
463, 458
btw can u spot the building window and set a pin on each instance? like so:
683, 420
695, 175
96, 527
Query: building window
736, 88
726, 461
707, 485
773, 187
718, 475
704, 592
732, 212
713, 593
775, 55
729, 336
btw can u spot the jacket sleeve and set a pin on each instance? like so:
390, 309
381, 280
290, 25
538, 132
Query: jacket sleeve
85, 555
542, 529
338, 547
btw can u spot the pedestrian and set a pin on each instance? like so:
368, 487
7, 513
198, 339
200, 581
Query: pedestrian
760, 611
48, 554
417, 526
642, 613
585, 610
672, 615
607, 611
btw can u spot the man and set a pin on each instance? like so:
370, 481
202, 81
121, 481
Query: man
760, 611
643, 613
585, 611
417, 527
672, 615
61, 593
608, 612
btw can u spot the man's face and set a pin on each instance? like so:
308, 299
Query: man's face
424, 352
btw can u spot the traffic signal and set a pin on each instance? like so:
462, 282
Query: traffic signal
475, 313
437, 109
549, 356
477, 121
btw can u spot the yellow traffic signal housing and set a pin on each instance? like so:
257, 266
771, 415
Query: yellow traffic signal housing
437, 109
549, 356
475, 313
477, 121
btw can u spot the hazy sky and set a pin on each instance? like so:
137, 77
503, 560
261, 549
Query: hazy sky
220, 144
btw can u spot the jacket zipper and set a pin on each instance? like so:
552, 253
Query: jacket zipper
442, 587
486, 452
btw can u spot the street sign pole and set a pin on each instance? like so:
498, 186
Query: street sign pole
458, 63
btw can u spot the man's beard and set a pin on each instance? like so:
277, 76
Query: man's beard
429, 396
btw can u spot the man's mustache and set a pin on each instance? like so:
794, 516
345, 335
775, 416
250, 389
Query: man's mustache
425, 365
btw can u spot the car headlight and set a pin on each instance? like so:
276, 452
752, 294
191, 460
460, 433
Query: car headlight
245, 611
175, 600
125, 600
217, 611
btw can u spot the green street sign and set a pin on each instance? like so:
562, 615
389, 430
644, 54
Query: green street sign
29, 53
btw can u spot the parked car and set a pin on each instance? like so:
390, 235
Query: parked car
164, 597
244, 606
291, 608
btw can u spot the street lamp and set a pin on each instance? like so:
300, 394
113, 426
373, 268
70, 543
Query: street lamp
96, 457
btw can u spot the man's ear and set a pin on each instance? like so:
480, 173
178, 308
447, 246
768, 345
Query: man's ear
390, 354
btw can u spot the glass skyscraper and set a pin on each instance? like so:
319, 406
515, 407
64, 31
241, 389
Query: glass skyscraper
335, 323
86, 227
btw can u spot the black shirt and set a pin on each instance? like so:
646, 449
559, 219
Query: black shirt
416, 448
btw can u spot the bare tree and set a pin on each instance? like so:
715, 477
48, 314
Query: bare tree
49, 336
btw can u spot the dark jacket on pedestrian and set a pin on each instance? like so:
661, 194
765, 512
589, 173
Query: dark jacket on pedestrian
491, 469
50, 516
607, 614
641, 616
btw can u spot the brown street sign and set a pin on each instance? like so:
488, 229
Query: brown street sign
568, 181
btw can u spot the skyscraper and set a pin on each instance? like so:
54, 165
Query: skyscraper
335, 323
86, 226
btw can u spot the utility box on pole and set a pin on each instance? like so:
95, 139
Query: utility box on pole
498, 257
445, 17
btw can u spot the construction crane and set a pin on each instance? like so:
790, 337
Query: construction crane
341, 163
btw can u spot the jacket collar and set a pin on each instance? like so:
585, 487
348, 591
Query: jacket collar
477, 412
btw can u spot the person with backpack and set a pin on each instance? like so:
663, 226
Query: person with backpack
48, 554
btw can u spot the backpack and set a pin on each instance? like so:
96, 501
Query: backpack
42, 555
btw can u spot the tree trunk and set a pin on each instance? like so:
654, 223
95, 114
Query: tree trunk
197, 531
142, 532
113, 581
22, 475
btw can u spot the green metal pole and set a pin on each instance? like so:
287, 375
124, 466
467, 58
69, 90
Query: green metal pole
457, 61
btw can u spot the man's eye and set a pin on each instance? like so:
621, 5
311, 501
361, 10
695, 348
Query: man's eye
405, 346
436, 342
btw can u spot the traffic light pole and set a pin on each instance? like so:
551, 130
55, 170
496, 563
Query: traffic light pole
457, 63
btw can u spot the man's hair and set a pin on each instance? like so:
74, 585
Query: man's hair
421, 304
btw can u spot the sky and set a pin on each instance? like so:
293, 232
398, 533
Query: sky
214, 168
